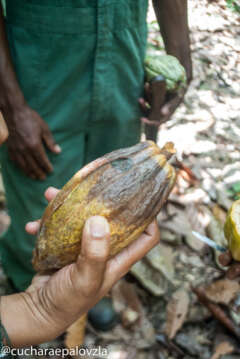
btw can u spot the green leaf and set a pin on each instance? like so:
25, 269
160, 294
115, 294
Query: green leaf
236, 187
232, 4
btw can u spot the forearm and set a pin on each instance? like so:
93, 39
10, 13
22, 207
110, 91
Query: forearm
24, 322
172, 16
11, 95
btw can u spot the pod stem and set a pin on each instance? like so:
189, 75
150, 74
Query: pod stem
168, 151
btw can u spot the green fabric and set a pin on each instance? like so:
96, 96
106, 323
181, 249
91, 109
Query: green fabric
80, 66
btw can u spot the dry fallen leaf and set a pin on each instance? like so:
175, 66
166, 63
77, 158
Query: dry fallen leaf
222, 291
161, 258
219, 214
177, 310
184, 221
76, 332
136, 327
124, 295
222, 349
187, 174
126, 302
149, 277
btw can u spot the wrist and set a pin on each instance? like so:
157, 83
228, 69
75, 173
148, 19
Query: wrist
11, 101
182, 53
11, 109
25, 322
11, 104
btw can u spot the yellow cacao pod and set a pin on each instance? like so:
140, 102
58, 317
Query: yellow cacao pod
128, 187
232, 230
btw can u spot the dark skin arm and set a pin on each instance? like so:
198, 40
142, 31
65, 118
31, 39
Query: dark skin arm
28, 133
172, 16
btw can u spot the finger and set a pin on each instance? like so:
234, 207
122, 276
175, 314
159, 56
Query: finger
119, 265
153, 230
3, 130
90, 267
149, 122
42, 159
33, 227
50, 142
34, 168
169, 108
51, 193
22, 163
145, 107
147, 92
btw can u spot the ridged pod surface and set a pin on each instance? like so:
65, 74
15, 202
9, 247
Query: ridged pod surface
128, 187
232, 229
167, 66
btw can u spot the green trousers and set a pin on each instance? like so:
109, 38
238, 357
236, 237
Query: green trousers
79, 64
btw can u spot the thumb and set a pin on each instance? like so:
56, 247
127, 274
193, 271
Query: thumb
3, 130
50, 142
73, 290
89, 270
33, 227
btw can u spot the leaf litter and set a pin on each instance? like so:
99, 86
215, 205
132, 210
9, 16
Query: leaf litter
161, 315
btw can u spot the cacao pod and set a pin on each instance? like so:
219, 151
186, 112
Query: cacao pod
128, 187
232, 229
169, 67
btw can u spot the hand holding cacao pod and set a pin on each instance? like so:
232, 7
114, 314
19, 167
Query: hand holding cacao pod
128, 187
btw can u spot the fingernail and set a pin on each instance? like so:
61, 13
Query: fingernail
50, 188
98, 227
30, 223
57, 149
164, 112
31, 226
